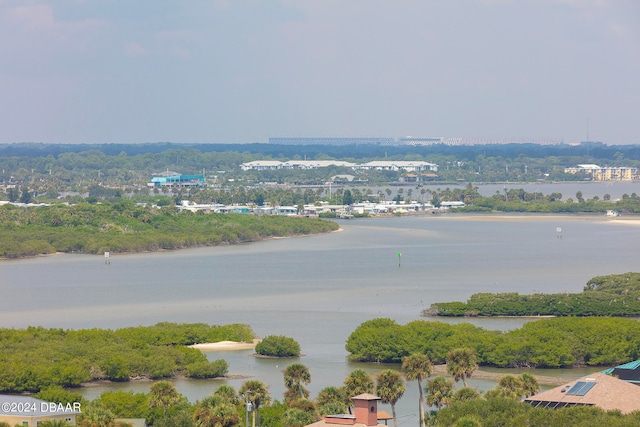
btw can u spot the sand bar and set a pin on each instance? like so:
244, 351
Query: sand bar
225, 346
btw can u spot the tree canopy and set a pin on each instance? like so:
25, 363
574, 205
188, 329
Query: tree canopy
550, 343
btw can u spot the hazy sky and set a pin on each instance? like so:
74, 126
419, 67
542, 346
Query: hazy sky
130, 71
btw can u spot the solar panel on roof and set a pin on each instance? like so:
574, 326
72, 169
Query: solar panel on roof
585, 389
576, 387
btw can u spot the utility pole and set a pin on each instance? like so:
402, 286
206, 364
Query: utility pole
248, 407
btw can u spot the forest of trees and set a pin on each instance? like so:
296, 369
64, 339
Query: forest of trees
612, 295
545, 343
36, 358
126, 227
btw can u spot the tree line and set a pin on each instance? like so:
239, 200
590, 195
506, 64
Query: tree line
127, 227
36, 358
612, 295
546, 343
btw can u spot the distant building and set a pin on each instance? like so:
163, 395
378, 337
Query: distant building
293, 164
333, 141
174, 179
598, 173
410, 140
431, 140
396, 165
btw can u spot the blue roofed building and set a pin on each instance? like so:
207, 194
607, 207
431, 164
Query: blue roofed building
174, 179
629, 372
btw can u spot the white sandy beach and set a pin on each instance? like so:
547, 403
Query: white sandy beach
225, 346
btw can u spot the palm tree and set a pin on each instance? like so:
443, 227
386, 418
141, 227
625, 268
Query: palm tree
511, 386
256, 392
358, 382
461, 363
465, 394
331, 400
530, 385
96, 416
514, 387
439, 391
215, 411
390, 388
295, 375
229, 393
418, 367
163, 395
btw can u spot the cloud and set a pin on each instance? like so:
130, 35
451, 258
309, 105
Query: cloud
38, 17
32, 17
133, 50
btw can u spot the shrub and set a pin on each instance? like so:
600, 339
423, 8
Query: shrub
278, 346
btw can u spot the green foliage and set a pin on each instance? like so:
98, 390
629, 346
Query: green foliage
358, 382
59, 395
439, 391
272, 415
278, 346
216, 410
613, 295
498, 411
461, 362
378, 340
297, 418
125, 227
163, 395
36, 358
124, 404
206, 369
296, 376
51, 423
550, 343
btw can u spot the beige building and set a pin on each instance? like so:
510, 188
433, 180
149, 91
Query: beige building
30, 412
598, 173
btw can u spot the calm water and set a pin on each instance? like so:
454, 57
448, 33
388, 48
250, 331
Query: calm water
319, 289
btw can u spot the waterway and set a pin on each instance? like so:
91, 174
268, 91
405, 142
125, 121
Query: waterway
318, 289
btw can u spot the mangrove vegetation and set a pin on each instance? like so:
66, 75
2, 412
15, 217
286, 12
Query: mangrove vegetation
127, 227
35, 358
613, 295
547, 343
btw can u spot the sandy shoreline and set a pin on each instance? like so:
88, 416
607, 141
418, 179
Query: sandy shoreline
225, 346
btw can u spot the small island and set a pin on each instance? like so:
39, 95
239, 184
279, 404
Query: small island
616, 295
278, 346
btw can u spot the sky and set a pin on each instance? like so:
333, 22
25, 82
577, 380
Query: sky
241, 71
